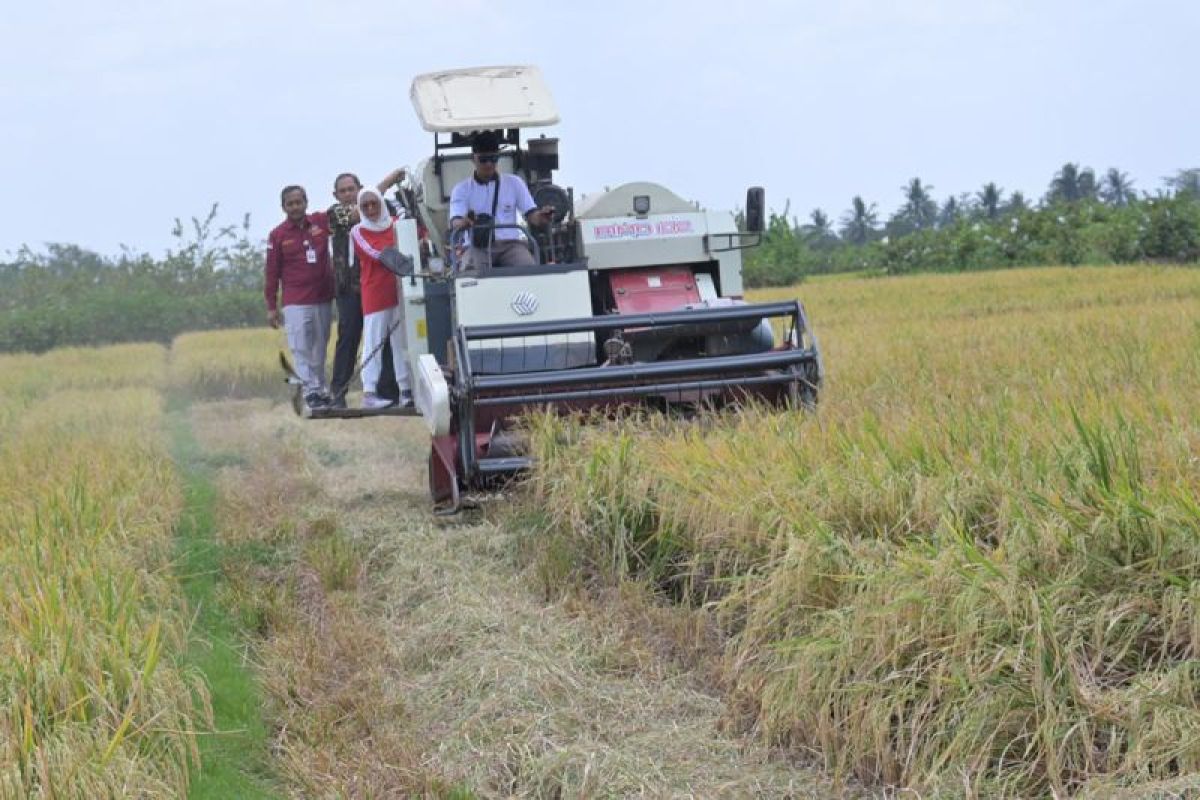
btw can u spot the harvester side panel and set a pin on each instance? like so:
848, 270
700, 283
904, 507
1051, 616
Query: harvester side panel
611, 242
500, 300
636, 291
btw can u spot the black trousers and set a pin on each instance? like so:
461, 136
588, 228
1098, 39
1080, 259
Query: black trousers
345, 354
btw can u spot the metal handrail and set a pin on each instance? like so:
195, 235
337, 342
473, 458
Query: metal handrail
650, 371
639, 391
621, 321
455, 263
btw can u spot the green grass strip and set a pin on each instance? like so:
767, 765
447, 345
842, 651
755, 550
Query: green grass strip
235, 761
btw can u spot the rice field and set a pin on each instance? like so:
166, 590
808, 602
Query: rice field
242, 362
94, 701
235, 363
972, 571
98, 697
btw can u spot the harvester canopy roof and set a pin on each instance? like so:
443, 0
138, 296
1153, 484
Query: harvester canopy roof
482, 98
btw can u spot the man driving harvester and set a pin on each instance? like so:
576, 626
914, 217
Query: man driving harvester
489, 198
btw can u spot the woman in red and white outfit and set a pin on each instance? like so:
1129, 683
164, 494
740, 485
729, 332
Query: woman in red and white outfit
381, 291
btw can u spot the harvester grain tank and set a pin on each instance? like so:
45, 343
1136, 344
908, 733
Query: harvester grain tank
636, 295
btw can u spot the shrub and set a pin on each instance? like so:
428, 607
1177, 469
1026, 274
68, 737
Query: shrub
71, 296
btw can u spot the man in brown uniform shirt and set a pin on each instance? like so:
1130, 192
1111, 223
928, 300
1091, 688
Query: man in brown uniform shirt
298, 260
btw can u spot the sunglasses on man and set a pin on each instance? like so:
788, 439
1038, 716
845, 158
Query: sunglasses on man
487, 158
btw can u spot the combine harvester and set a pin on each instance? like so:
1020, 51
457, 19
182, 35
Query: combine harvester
636, 296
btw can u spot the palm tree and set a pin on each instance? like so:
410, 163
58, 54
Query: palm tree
1065, 185
1185, 182
1071, 183
951, 212
919, 209
1016, 203
819, 231
1089, 188
990, 199
859, 224
820, 224
1116, 188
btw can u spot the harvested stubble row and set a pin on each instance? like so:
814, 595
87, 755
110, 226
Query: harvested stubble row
94, 701
974, 569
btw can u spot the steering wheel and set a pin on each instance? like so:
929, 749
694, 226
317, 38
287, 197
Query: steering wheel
554, 196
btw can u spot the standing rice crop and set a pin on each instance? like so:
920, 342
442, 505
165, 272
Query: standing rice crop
94, 701
242, 362
972, 569
237, 363
25, 377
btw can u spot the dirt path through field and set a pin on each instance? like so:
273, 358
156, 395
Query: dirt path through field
501, 692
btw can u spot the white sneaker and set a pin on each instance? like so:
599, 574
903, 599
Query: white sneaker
370, 400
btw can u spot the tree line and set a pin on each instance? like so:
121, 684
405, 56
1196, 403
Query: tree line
210, 278
1080, 219
212, 275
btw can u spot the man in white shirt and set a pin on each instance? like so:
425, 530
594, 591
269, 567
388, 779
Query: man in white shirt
488, 195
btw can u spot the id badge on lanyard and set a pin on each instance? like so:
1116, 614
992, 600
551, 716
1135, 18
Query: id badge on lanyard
310, 255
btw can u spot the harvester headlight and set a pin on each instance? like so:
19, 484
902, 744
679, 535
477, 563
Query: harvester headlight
641, 204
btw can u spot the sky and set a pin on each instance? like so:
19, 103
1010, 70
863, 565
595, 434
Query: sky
141, 112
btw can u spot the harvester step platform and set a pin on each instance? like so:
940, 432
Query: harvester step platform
357, 413
504, 465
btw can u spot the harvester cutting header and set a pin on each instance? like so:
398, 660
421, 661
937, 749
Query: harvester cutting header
628, 295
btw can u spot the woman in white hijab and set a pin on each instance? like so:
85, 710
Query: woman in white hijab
381, 292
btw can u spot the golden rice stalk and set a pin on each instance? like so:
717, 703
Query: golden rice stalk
972, 569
